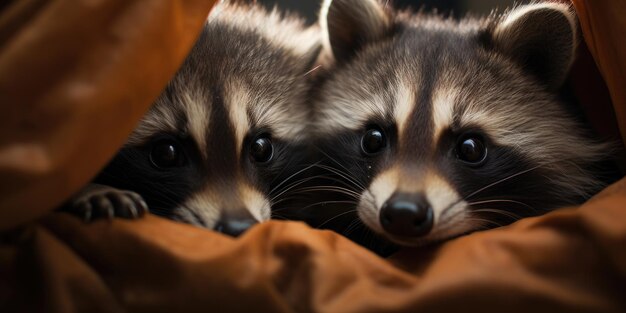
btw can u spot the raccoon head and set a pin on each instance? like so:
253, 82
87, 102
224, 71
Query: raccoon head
446, 127
227, 126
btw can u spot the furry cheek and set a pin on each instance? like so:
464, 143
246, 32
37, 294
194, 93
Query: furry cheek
372, 199
257, 204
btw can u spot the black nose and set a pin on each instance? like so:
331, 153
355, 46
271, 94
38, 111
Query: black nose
233, 227
407, 215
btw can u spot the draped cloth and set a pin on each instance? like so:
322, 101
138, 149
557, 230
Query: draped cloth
77, 75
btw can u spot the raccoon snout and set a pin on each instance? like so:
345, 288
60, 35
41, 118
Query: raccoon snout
233, 227
407, 215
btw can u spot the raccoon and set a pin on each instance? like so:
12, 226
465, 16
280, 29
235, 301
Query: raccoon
224, 131
443, 127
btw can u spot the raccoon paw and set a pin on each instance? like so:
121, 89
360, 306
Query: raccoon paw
98, 201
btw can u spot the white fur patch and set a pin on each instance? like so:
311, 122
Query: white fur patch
440, 194
352, 108
198, 116
373, 198
237, 99
282, 30
450, 212
383, 186
443, 102
284, 119
346, 113
204, 205
256, 203
404, 105
327, 54
162, 117
211, 203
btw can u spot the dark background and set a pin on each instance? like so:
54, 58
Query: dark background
310, 8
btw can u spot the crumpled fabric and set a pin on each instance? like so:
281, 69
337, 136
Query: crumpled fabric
74, 79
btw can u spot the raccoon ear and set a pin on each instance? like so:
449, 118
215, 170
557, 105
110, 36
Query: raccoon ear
350, 24
541, 38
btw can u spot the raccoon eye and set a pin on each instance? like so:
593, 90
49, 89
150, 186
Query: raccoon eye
166, 154
262, 150
373, 142
471, 150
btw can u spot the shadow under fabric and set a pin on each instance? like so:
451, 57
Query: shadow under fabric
75, 77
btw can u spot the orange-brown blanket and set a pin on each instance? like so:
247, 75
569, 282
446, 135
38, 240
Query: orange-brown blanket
75, 78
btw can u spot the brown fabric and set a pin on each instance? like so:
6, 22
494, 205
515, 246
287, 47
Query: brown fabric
604, 25
74, 80
80, 89
572, 260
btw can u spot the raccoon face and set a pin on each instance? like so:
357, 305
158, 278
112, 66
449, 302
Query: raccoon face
445, 127
227, 126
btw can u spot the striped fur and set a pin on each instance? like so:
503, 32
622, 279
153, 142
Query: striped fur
427, 81
245, 77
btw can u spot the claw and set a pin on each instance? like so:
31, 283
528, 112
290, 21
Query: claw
144, 207
99, 201
141, 207
131, 207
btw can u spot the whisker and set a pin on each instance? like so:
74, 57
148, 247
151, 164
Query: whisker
292, 175
293, 185
335, 217
278, 216
342, 175
501, 212
318, 203
340, 190
483, 222
503, 201
353, 226
501, 181
330, 202
283, 200
347, 170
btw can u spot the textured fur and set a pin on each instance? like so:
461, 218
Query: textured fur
246, 76
426, 81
